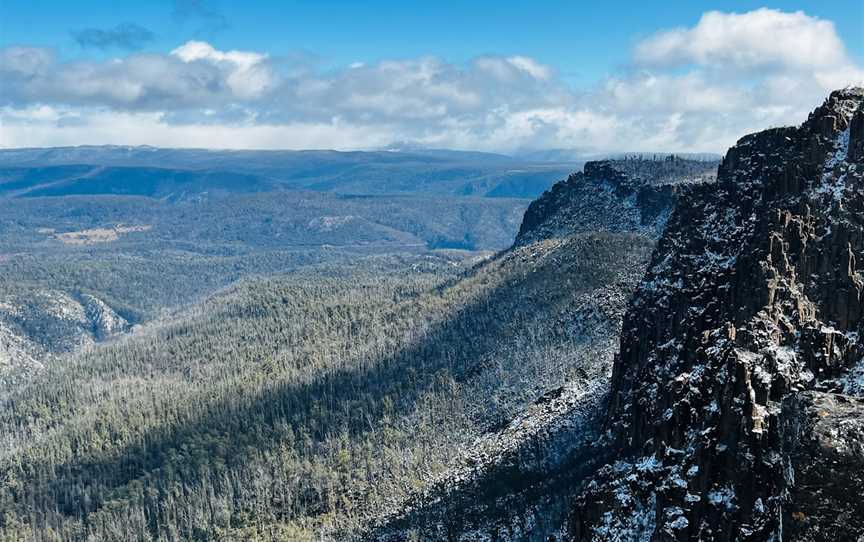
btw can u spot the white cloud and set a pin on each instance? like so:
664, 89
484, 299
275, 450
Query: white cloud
661, 93
689, 89
33, 126
246, 73
763, 44
757, 39
530, 66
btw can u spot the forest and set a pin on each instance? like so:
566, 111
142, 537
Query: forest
290, 407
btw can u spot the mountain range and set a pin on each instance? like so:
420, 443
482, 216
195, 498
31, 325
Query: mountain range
177, 173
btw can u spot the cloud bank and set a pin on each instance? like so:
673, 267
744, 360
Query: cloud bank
686, 89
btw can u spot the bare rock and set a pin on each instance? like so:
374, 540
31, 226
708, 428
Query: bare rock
753, 296
823, 438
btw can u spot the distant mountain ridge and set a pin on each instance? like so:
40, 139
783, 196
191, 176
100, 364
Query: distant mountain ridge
434, 172
159, 183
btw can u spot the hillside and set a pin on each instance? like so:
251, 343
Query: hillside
297, 405
736, 406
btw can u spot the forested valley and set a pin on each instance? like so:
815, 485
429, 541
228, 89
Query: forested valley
291, 406
317, 396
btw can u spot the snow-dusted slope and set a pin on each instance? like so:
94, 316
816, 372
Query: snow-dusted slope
632, 195
36, 325
516, 481
590, 235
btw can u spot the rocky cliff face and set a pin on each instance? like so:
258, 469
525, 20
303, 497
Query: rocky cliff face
733, 413
632, 195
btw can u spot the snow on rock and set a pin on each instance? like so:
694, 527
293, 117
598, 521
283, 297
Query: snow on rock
754, 299
41, 324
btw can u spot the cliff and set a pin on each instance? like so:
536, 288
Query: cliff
630, 195
735, 411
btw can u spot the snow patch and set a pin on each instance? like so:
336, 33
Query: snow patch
831, 185
853, 382
723, 497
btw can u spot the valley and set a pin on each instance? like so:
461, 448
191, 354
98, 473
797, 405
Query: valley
318, 395
143, 241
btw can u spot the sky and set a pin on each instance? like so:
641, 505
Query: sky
503, 76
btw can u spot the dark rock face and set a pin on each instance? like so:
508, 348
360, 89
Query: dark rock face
631, 195
823, 439
753, 298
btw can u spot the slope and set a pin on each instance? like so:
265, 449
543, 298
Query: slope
517, 482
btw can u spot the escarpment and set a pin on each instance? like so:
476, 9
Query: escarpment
631, 195
735, 411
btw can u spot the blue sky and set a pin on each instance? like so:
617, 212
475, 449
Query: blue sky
584, 40
566, 73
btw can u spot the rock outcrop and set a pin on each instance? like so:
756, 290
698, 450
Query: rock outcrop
732, 414
632, 195
41, 324
823, 449
104, 321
